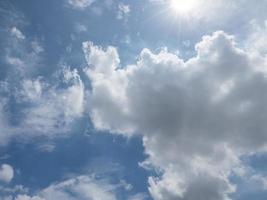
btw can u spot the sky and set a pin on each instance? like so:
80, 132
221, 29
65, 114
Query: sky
133, 100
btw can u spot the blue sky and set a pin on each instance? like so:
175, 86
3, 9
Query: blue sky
133, 100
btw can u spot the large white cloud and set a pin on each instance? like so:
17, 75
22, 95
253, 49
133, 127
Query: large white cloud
197, 117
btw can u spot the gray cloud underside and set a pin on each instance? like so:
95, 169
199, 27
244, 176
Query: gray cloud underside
197, 117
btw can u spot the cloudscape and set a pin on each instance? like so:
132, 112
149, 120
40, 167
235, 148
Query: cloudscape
133, 100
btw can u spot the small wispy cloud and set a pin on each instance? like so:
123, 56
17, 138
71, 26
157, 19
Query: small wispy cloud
123, 11
80, 187
80, 4
17, 33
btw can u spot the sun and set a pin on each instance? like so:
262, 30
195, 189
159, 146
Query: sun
183, 6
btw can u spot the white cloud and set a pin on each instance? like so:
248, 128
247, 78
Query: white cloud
13, 189
123, 11
54, 109
7, 198
23, 57
17, 62
81, 187
15, 32
26, 197
46, 148
50, 110
98, 185
260, 179
257, 38
32, 89
196, 117
80, 4
37, 48
6, 173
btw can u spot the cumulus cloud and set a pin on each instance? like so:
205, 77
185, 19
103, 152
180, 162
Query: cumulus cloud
197, 117
6, 173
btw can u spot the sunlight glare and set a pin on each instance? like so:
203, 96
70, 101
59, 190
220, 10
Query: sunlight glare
183, 6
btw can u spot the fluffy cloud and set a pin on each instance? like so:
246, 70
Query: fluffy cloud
197, 117
6, 173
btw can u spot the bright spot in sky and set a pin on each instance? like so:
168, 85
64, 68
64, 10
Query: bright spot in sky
183, 6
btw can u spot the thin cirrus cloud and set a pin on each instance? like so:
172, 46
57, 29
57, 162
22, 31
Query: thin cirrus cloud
50, 111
